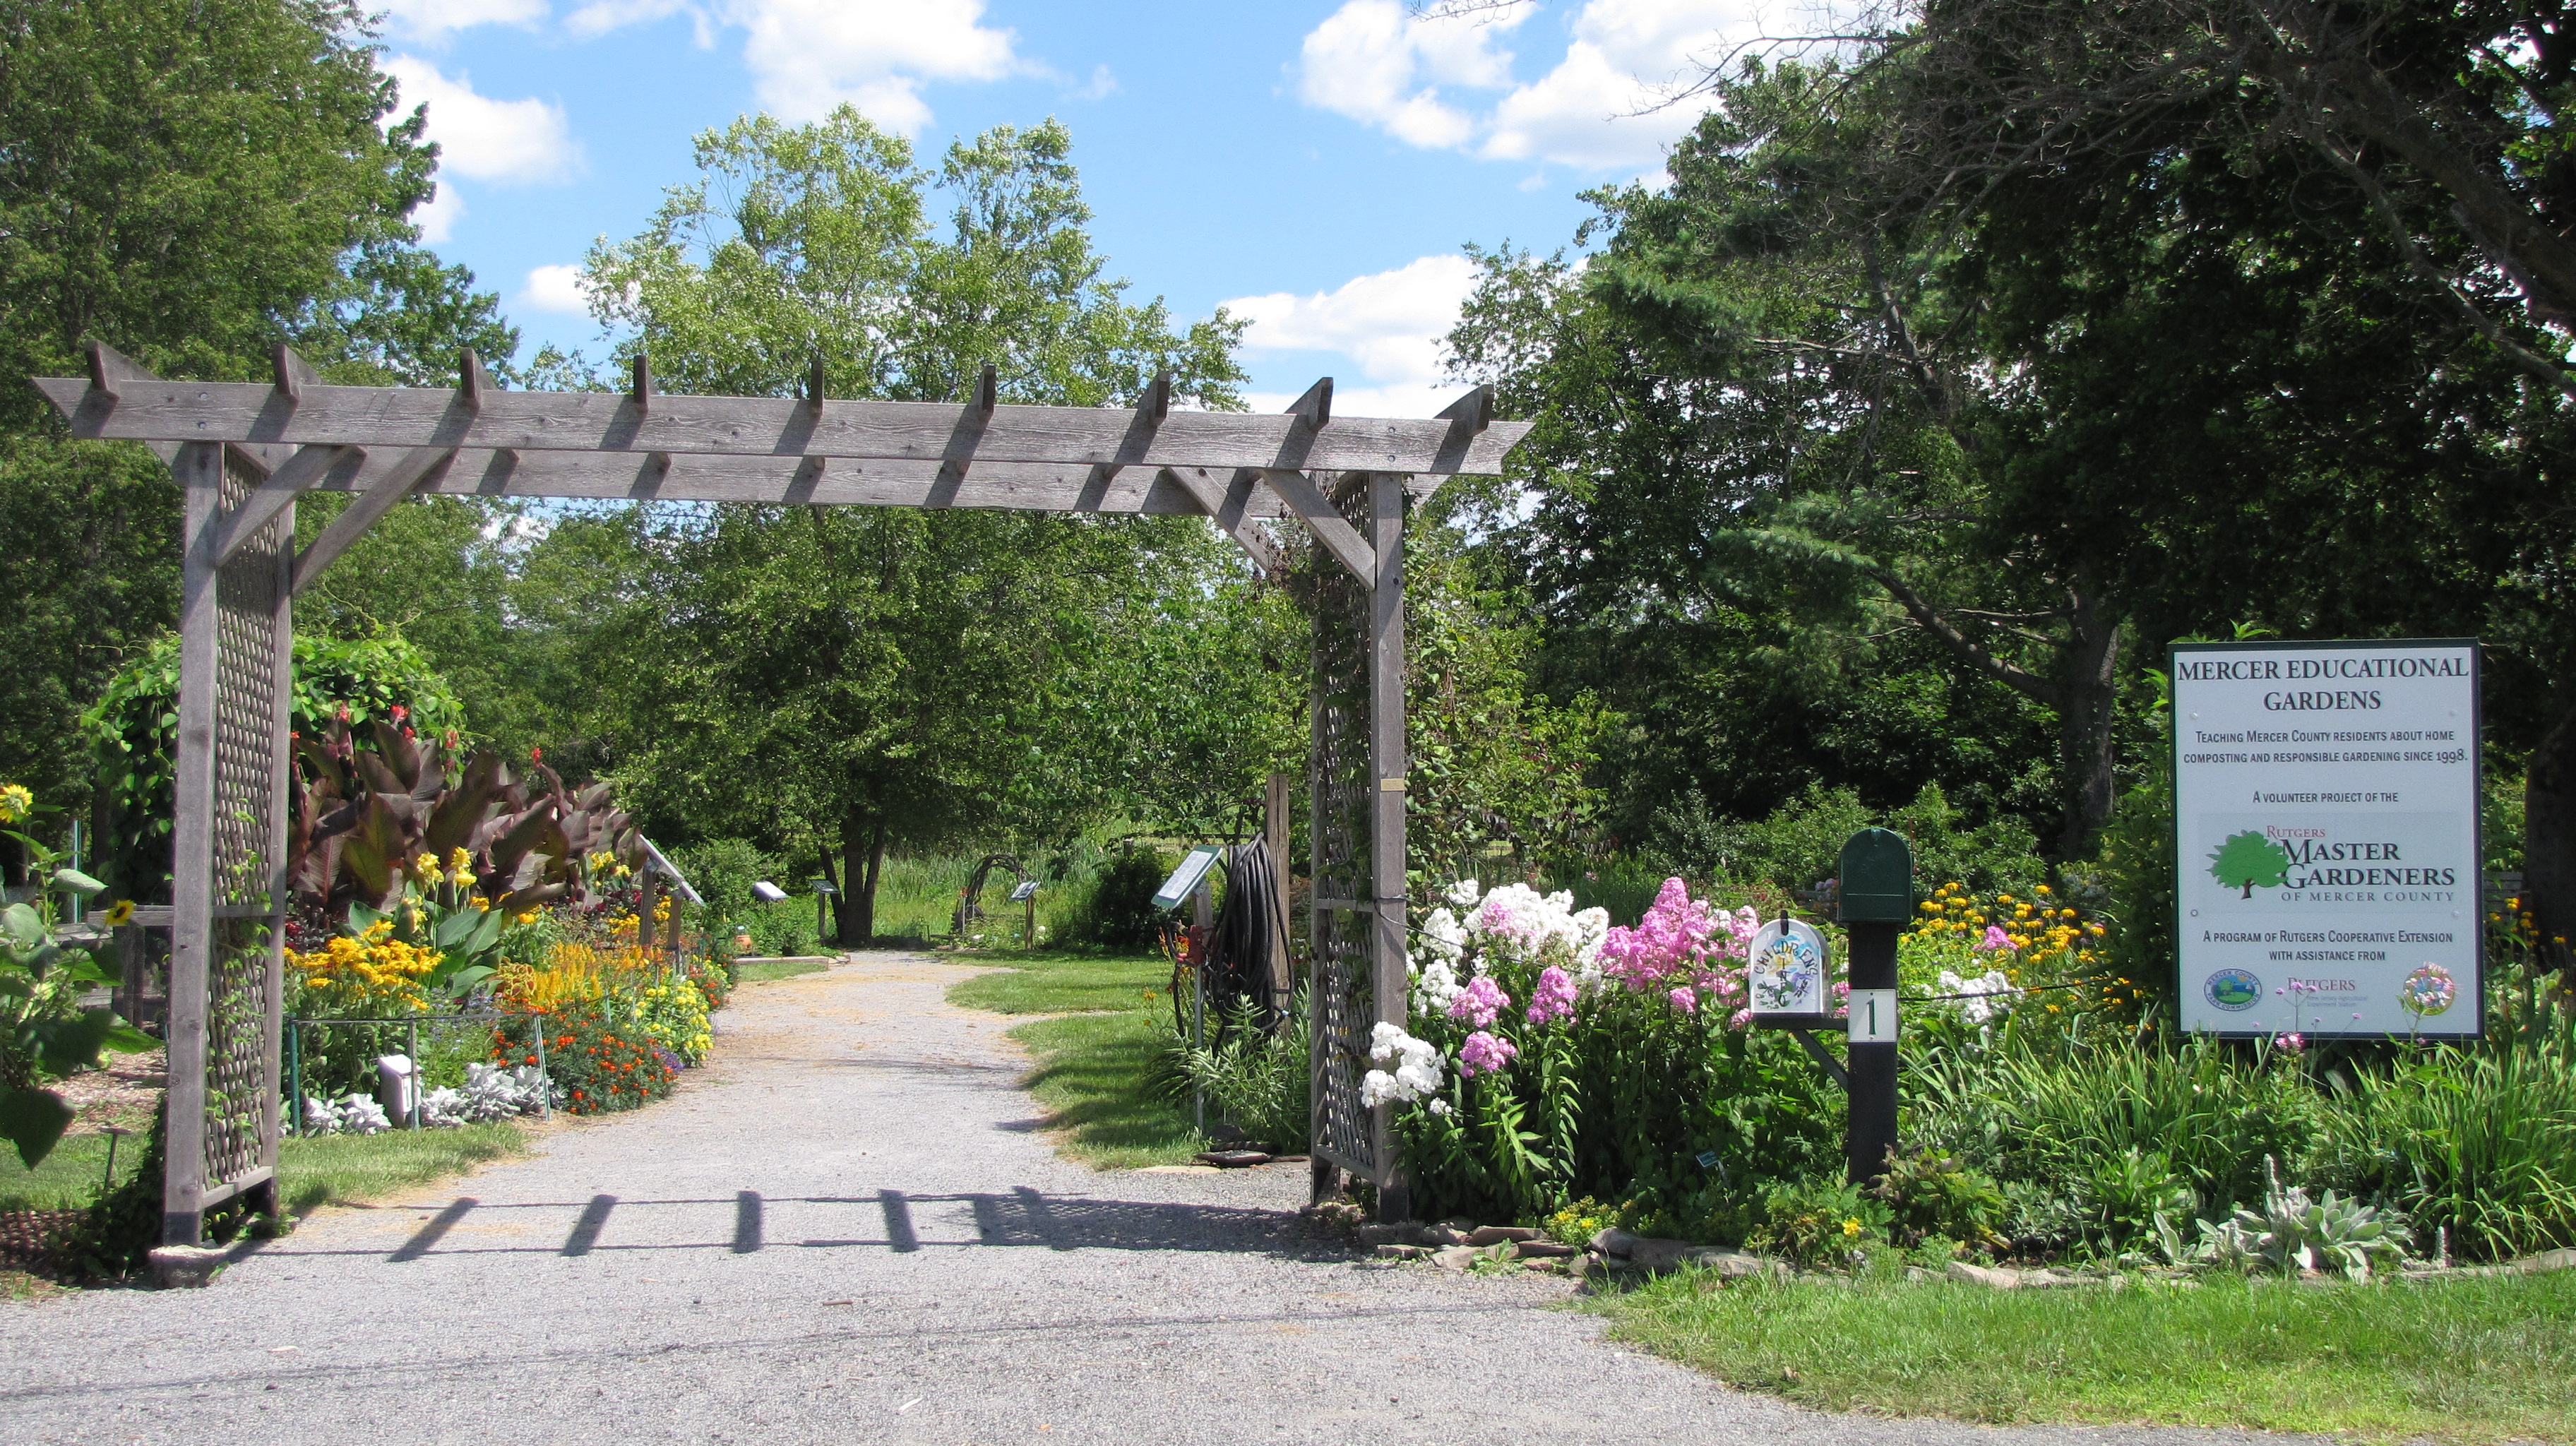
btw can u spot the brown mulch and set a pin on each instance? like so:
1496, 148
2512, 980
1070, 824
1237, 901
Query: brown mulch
27, 1237
124, 1093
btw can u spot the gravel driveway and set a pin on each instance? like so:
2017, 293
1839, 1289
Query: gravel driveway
849, 1229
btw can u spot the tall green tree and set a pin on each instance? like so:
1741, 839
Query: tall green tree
865, 678
192, 182
2294, 281
1759, 441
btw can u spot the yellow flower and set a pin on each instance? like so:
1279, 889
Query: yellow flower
2043, 888
1851, 1228
119, 914
16, 802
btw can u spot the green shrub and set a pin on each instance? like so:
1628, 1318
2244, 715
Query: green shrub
1252, 1078
1821, 1222
723, 871
1120, 913
1801, 842
1928, 1194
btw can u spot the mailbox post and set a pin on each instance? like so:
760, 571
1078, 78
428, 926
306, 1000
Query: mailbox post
1877, 902
824, 889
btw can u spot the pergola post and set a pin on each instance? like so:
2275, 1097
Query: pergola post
192, 844
1387, 762
231, 776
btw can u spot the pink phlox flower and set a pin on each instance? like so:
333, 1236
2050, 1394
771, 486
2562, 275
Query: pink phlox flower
1684, 999
1740, 1018
1484, 1053
1994, 939
1553, 998
1479, 1002
2290, 1043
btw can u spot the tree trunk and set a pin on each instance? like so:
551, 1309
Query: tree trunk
2549, 842
862, 857
2088, 750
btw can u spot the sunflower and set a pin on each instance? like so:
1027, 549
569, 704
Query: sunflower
119, 914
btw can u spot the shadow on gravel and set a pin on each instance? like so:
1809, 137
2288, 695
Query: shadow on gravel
889, 1220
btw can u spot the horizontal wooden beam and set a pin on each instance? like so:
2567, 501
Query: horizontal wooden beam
147, 409
621, 476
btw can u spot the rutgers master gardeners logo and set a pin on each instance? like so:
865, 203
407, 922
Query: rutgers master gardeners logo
2249, 861
2233, 990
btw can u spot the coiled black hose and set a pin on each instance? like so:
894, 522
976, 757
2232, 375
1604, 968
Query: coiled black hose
1239, 959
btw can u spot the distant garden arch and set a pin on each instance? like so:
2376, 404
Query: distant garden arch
244, 452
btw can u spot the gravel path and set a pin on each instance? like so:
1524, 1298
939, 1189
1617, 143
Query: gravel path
849, 1229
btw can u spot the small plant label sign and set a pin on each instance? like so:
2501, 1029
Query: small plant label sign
1873, 1016
1785, 972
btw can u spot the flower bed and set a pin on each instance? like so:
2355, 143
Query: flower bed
1556, 1071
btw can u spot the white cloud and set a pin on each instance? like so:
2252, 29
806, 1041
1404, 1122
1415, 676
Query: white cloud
1597, 108
485, 139
1409, 399
1389, 325
807, 56
430, 20
1101, 84
437, 220
557, 289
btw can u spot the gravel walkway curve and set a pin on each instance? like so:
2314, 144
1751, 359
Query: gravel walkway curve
849, 1230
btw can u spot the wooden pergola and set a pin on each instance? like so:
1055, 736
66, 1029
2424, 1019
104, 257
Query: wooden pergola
245, 451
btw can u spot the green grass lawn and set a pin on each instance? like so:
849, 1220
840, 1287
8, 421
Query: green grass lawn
2476, 1360
311, 1172
1095, 1062
756, 971
70, 1177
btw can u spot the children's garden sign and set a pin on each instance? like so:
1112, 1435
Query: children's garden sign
2326, 837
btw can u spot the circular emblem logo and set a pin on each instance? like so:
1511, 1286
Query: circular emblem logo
2428, 991
2233, 989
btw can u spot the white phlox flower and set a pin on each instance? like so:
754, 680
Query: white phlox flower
1988, 994
1435, 985
1417, 1075
1463, 893
1442, 934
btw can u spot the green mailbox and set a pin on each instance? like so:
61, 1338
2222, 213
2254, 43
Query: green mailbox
1877, 878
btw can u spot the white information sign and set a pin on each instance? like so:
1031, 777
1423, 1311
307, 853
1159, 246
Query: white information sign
2326, 837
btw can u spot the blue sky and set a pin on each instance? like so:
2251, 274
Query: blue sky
1313, 166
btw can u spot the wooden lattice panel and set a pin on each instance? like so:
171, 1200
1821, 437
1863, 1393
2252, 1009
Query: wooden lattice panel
240, 1061
1342, 997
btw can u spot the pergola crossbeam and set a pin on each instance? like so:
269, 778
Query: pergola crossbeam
135, 407
375, 502
1339, 538
1228, 504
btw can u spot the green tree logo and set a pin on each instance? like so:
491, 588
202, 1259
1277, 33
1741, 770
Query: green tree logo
2248, 859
